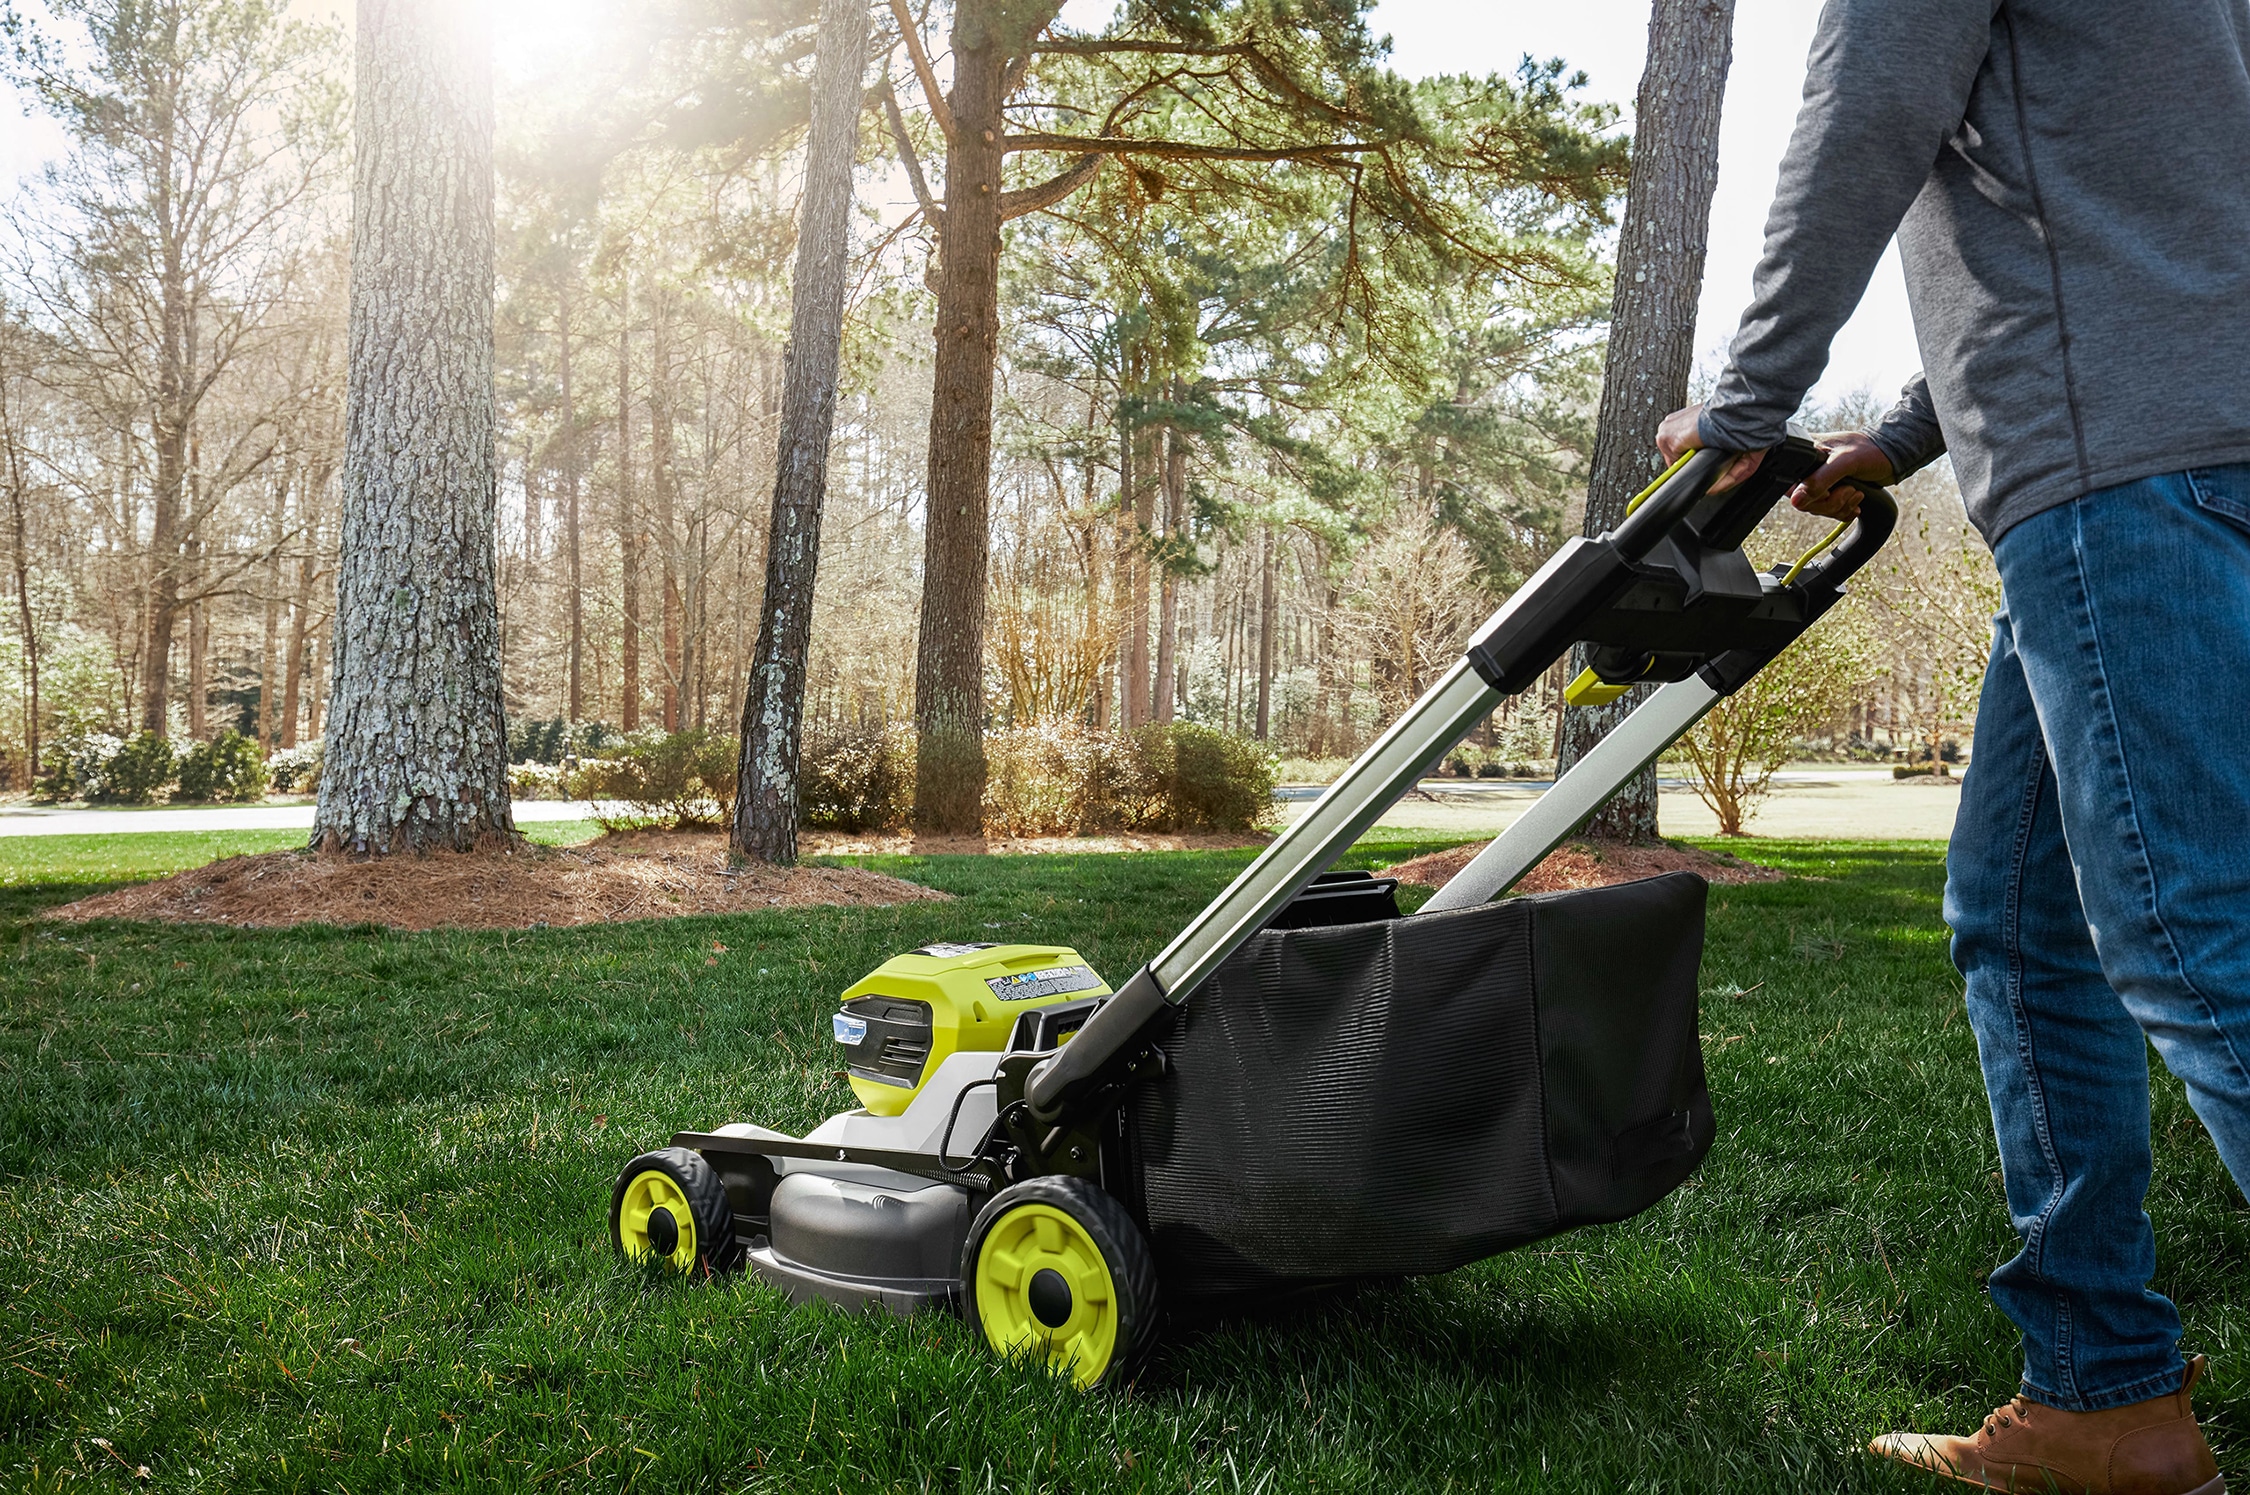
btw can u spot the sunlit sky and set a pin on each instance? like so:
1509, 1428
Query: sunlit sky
1605, 38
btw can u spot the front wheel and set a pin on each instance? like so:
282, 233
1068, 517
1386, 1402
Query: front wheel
671, 1207
1056, 1267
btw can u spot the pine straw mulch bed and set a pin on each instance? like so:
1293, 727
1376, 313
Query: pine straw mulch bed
528, 888
1590, 864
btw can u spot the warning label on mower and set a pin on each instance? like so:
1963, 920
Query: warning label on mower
1054, 981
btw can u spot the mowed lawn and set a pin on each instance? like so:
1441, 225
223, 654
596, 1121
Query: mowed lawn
326, 1209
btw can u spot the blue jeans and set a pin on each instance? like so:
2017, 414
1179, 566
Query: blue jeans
2098, 888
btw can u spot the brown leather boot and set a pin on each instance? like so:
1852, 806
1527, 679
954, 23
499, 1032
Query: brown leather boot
2149, 1448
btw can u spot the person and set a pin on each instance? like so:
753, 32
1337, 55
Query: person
2069, 185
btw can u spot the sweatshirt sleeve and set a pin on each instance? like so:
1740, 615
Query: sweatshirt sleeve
1885, 89
1908, 433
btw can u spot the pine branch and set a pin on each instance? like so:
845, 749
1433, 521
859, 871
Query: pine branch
913, 163
1057, 187
911, 34
1175, 150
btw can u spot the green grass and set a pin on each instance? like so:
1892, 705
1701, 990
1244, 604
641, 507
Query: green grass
325, 1209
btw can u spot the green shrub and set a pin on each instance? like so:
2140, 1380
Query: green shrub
76, 765
140, 769
1064, 779
536, 781
856, 779
1208, 780
676, 779
228, 769
295, 770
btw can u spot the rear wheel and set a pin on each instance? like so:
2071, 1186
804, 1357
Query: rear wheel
1055, 1267
670, 1207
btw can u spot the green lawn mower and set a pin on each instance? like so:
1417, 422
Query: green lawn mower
1303, 1087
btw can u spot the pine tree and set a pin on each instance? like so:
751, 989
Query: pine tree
416, 752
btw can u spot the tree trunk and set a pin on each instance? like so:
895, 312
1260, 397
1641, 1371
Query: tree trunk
949, 659
628, 517
765, 805
300, 621
1168, 611
269, 657
169, 436
570, 523
671, 665
20, 551
417, 744
1652, 316
199, 653
1139, 468
1266, 611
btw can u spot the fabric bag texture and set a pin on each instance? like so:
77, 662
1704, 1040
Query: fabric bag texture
1410, 1095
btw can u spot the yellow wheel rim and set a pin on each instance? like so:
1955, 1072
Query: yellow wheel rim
651, 1190
1043, 1286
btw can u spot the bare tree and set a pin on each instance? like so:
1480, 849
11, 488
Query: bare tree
203, 132
1652, 318
765, 807
416, 751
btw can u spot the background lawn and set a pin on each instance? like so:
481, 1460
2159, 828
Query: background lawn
325, 1210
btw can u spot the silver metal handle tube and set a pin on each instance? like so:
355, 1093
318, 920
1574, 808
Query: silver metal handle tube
1386, 771
1632, 745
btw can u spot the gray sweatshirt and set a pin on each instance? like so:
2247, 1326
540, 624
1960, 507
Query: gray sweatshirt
2069, 181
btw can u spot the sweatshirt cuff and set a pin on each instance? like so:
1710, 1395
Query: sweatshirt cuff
1727, 430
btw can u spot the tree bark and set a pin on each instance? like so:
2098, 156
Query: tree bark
671, 665
766, 802
300, 622
570, 522
269, 658
417, 743
628, 518
1168, 609
949, 658
1652, 316
1140, 494
1266, 610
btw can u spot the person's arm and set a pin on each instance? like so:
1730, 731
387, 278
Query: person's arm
1886, 87
1908, 432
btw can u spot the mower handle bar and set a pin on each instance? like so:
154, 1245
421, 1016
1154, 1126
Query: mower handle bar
1430, 728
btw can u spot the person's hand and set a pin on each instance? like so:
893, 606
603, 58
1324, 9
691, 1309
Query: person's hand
1850, 454
1680, 431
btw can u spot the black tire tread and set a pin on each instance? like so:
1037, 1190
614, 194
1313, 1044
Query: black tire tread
716, 1248
1132, 1266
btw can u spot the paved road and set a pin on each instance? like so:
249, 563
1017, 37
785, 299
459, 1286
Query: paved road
1848, 801
1533, 788
47, 820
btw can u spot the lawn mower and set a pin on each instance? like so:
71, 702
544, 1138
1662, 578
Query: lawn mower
1303, 1087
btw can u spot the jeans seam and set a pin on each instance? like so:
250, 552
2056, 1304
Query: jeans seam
2035, 1234
2139, 858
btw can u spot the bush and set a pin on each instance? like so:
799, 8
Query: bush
76, 766
227, 769
555, 739
1492, 768
1208, 780
295, 770
134, 774
1063, 779
536, 781
856, 780
681, 780
1070, 780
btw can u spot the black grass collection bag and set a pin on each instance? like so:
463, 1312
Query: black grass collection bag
1410, 1095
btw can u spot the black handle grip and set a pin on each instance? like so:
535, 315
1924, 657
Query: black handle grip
1672, 501
1822, 583
1878, 517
